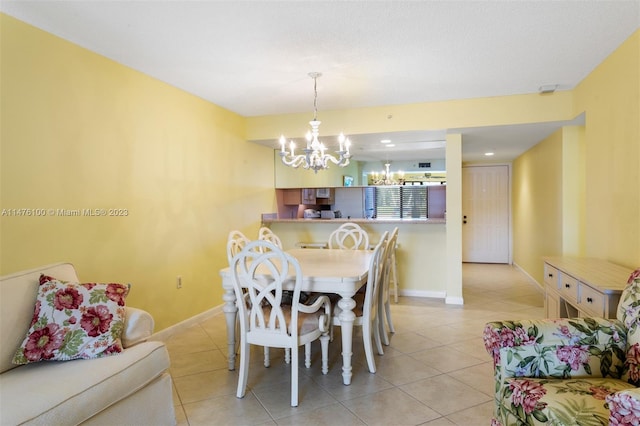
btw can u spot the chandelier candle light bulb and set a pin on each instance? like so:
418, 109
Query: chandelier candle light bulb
314, 156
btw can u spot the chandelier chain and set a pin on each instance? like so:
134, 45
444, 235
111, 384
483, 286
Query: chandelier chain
315, 98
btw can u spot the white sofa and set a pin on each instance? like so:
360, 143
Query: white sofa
130, 388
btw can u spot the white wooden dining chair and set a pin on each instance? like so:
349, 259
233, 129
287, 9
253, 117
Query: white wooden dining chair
384, 304
266, 234
349, 236
259, 271
367, 306
235, 243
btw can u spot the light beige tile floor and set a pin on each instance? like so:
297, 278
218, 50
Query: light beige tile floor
435, 371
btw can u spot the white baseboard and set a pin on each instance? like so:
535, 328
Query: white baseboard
434, 295
165, 334
423, 293
454, 300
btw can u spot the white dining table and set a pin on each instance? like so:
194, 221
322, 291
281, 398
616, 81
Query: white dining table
337, 271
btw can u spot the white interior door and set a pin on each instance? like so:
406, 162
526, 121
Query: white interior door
485, 214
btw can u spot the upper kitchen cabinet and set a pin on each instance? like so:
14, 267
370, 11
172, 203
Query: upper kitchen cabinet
324, 196
292, 197
308, 196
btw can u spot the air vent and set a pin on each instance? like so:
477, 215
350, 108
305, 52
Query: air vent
424, 165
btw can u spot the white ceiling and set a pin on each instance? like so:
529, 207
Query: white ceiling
253, 57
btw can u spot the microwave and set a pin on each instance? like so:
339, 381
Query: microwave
323, 193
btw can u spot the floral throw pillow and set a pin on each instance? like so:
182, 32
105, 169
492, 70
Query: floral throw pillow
73, 320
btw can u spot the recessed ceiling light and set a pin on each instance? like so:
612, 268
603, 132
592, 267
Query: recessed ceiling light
488, 154
385, 141
390, 145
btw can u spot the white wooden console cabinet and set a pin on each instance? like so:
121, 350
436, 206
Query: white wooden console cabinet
583, 287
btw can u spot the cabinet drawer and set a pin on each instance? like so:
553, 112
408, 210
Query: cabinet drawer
591, 301
551, 275
568, 287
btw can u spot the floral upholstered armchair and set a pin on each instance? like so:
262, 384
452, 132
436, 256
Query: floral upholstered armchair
578, 371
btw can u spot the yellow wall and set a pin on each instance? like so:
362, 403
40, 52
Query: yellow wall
573, 191
80, 131
502, 110
610, 95
537, 205
453, 250
577, 193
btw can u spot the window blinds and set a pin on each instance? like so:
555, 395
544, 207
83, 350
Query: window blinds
400, 202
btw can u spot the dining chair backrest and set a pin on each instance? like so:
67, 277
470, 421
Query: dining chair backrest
258, 273
266, 234
375, 278
349, 236
391, 242
384, 305
235, 243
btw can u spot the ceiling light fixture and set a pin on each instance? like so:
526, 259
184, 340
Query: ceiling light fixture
315, 157
488, 154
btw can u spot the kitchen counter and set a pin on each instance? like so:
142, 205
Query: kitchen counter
360, 221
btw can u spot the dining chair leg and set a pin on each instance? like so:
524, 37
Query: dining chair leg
243, 372
267, 358
387, 311
394, 275
378, 340
307, 355
368, 347
294, 377
287, 355
237, 336
382, 327
324, 343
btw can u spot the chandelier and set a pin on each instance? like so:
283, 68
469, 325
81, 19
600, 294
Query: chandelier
315, 156
387, 177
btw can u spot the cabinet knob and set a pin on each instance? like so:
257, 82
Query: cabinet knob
589, 300
567, 285
550, 275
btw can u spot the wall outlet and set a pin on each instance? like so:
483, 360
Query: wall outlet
179, 282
